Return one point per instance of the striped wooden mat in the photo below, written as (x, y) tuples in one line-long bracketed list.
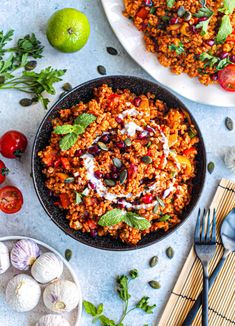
[(189, 284)]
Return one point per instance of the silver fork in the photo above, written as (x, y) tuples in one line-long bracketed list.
[(205, 246)]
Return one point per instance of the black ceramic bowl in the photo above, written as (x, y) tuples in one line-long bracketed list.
[(84, 93)]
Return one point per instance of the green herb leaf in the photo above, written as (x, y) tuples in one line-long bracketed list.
[(224, 31), (161, 203), (229, 6), (143, 304), (106, 321), (78, 199), (85, 119), (68, 141), (202, 2), (100, 308), (4, 39), (134, 273), (112, 217), (64, 129), (179, 49), (122, 289), (213, 61), (89, 308), (164, 218), (170, 3), (204, 12), (204, 26), (136, 221)]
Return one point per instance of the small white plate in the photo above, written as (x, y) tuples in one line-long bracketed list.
[(11, 318), (133, 41)]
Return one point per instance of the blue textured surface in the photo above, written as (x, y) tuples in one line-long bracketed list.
[(97, 269)]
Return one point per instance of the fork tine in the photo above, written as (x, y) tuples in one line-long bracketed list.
[(208, 237), (197, 228), (213, 236), (203, 226)]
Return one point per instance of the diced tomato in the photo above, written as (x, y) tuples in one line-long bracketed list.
[(113, 98), (142, 13), (65, 163), (65, 202), (92, 224), (190, 151), (162, 160)]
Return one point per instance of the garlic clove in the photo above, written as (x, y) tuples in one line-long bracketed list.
[(229, 159), (24, 253), (47, 268), (61, 296), (23, 293), (52, 320), (4, 258)]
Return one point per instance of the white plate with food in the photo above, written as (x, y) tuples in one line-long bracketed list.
[(133, 41), (37, 285)]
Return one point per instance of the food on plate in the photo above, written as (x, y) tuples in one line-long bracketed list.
[(46, 268), (61, 296), (3, 171), (11, 199), (24, 253), (4, 258), (196, 37), (121, 164), (68, 30), (23, 293), (52, 320), (13, 144)]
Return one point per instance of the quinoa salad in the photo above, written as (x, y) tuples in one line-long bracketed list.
[(121, 164), (193, 37)]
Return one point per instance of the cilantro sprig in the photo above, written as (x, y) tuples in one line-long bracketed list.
[(179, 49), (212, 61), (122, 288), (72, 132)]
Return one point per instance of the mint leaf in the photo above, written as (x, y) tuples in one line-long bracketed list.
[(143, 304), (89, 308), (170, 3), (85, 119), (164, 218), (136, 221), (63, 130), (204, 12), (68, 141), (224, 31), (78, 129), (179, 49), (112, 217), (229, 6)]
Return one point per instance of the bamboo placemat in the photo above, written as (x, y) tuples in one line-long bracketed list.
[(189, 283)]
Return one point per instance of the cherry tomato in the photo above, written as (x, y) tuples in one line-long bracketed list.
[(227, 78), (11, 199), (12, 144), (3, 171)]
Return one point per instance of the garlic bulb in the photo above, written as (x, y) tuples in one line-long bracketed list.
[(229, 159), (47, 267), (61, 296), (52, 320), (24, 253), (4, 258), (23, 293)]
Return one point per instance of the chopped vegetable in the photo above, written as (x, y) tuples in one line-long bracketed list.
[(227, 78), (224, 31), (179, 49), (11, 199)]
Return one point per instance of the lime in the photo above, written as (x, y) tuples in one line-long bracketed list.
[(68, 30)]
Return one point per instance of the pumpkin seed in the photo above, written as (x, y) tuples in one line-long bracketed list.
[(68, 254), (170, 252), (67, 87), (149, 144), (30, 65), (85, 192), (155, 284), (111, 50), (187, 16), (2, 79), (123, 176), (161, 203), (229, 123), (69, 180), (127, 142), (110, 182), (146, 159), (117, 163), (102, 146), (153, 261), (211, 167), (155, 209), (25, 102), (78, 199), (101, 70), (181, 11), (192, 133)]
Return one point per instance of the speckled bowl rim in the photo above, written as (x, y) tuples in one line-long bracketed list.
[(165, 234)]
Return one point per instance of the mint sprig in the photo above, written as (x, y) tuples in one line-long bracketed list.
[(225, 30), (212, 61), (116, 216), (228, 7), (72, 132)]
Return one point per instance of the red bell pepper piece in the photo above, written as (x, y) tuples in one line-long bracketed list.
[(65, 162)]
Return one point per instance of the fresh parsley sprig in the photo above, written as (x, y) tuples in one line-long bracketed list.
[(212, 61), (72, 132), (116, 216), (122, 288), (179, 49)]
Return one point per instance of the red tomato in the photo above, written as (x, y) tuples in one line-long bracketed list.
[(65, 202), (11, 199), (3, 171), (65, 163), (142, 13), (190, 151), (227, 78), (12, 144)]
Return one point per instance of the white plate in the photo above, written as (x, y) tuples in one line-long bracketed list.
[(132, 40), (9, 317)]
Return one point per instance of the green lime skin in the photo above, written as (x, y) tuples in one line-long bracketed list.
[(68, 30)]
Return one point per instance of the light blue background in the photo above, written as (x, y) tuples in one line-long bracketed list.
[(97, 269)]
